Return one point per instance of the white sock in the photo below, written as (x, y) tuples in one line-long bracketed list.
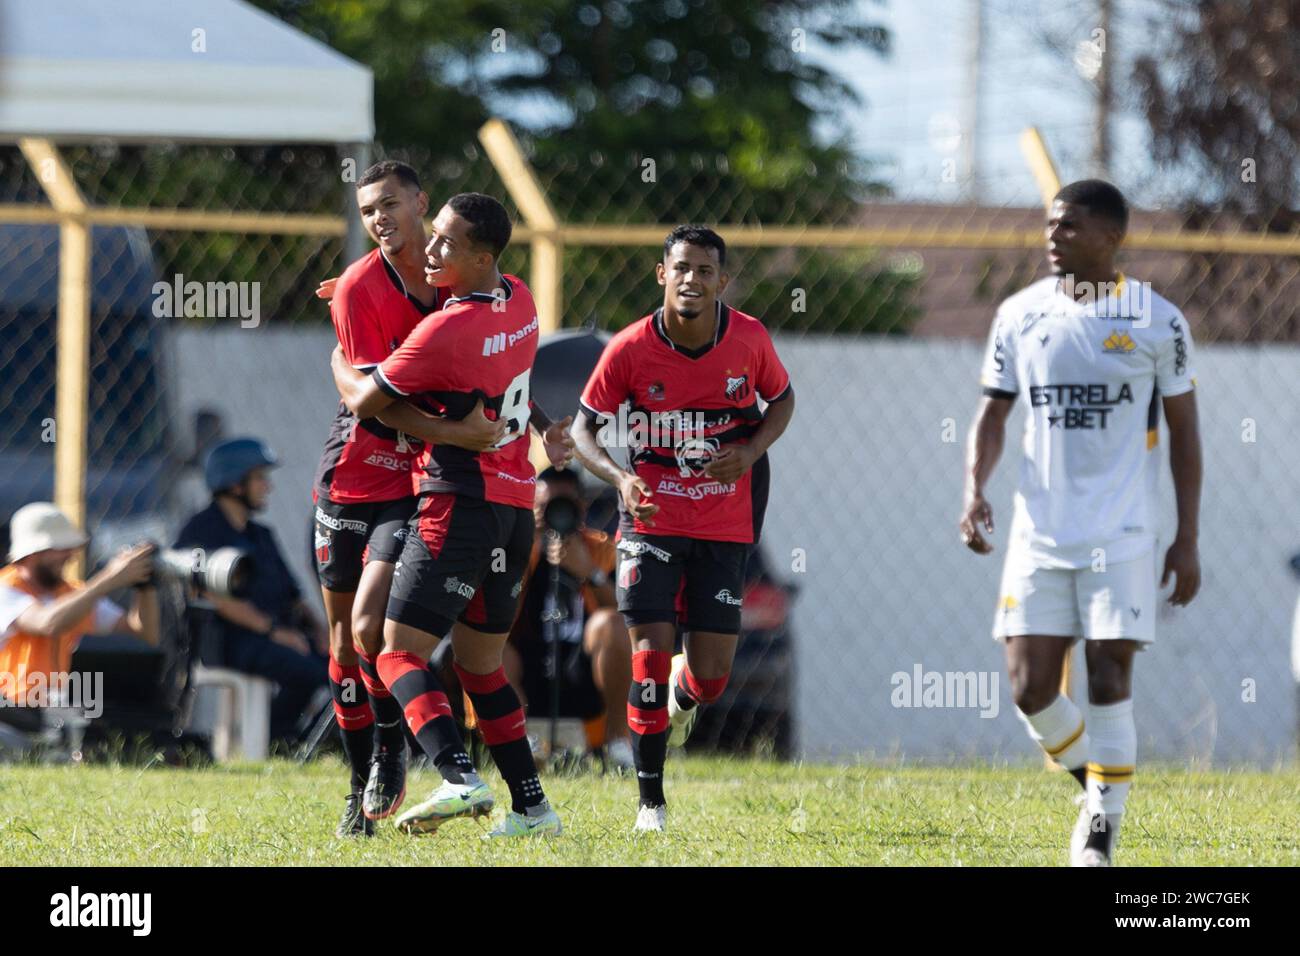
[(1112, 757), (1058, 728)]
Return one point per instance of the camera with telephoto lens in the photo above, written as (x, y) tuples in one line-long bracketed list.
[(561, 516), (225, 572)]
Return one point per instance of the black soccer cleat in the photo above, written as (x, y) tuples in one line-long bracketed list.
[(354, 822), (386, 788)]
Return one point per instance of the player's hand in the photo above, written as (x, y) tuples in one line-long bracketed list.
[(127, 568), (1183, 562), (288, 637), (476, 432), (731, 463), (326, 288), (977, 512), (635, 493), (559, 443)]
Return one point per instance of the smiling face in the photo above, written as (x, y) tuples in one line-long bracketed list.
[(692, 279), (391, 212), (1079, 241), (452, 258)]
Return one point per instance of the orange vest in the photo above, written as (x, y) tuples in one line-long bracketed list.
[(24, 654)]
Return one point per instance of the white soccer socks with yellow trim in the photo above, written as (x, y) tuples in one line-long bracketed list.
[(1112, 757), (1059, 729)]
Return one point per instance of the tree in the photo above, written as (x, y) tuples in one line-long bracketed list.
[(1219, 91)]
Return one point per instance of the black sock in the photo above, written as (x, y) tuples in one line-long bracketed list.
[(502, 726), (427, 712), (647, 718), (389, 730), (354, 718)]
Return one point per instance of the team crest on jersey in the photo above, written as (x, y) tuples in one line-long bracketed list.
[(1119, 342), (322, 543), (694, 455), (656, 392), (737, 387)]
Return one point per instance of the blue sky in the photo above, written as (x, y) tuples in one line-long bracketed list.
[(916, 95)]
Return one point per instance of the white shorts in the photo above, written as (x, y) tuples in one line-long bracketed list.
[(1117, 603)]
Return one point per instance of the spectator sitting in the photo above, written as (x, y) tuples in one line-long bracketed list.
[(595, 652), (270, 632), (43, 615)]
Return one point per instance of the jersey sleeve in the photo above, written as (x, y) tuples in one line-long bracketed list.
[(357, 326), (420, 363), (998, 375), (771, 380), (1174, 374), (608, 386), (107, 614)]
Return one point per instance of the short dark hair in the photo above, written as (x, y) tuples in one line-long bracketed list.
[(390, 167), (489, 223), (1098, 196), (697, 236), (550, 474)]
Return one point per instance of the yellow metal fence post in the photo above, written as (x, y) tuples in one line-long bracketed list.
[(72, 389)]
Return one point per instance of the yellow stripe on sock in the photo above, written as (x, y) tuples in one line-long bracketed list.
[(1055, 752), (1110, 774)]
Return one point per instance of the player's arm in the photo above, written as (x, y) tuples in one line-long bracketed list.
[(142, 619), (359, 391), (734, 460), (555, 436), (589, 450), (983, 449), (475, 432), (1182, 560)]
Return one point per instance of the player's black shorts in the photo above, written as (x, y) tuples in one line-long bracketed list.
[(464, 559), (348, 535), (709, 576)]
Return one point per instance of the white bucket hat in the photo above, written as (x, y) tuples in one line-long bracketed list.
[(40, 526)]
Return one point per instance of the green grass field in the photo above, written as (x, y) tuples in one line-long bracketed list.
[(723, 812)]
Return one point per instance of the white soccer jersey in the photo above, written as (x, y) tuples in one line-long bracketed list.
[(1093, 376)]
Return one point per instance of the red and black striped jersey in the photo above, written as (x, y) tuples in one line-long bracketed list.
[(476, 347), (373, 314), (682, 406)]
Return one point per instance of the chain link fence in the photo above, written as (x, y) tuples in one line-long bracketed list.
[(879, 310)]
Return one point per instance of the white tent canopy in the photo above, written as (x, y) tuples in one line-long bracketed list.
[(132, 69)]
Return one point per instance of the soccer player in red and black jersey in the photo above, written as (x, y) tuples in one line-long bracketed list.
[(363, 492), (694, 374), (463, 561)]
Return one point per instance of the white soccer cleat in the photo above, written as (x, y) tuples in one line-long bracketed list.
[(522, 825), (651, 820), (680, 722), (449, 801), (1088, 856)]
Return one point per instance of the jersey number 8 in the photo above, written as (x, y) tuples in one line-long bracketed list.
[(514, 409)]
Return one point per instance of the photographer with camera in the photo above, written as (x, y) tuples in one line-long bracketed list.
[(569, 593), (43, 615), (269, 632)]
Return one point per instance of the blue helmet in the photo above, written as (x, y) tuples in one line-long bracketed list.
[(230, 462)]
